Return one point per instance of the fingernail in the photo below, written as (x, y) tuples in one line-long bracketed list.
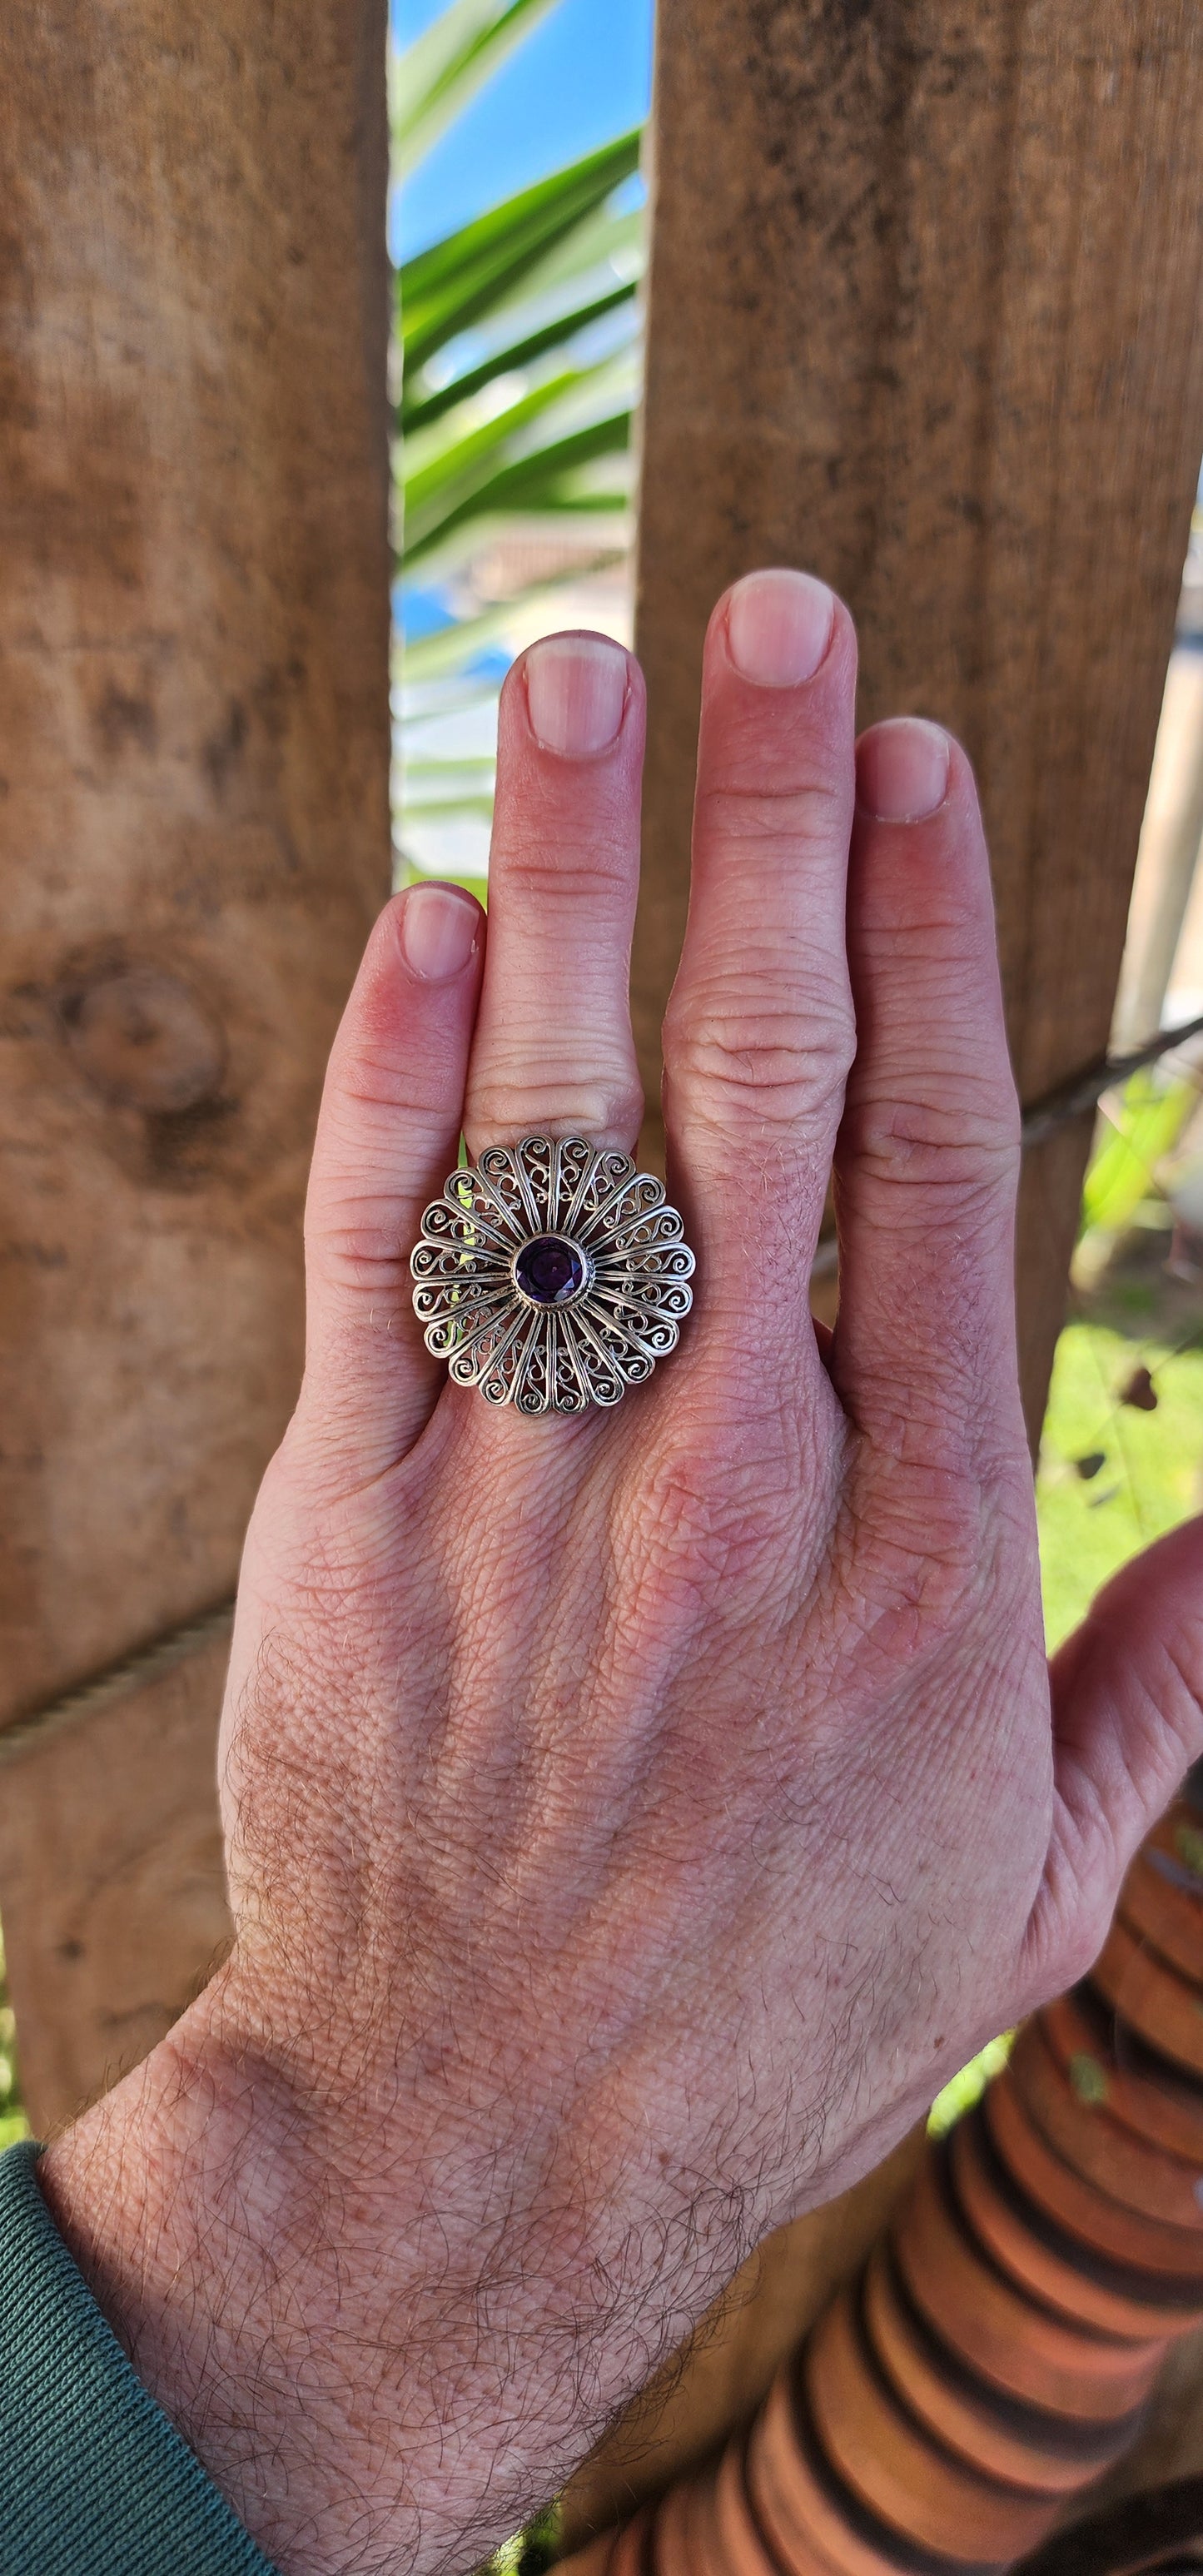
[(779, 627), (902, 769), (576, 690), (438, 931)]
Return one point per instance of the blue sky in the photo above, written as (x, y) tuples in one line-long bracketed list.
[(582, 77)]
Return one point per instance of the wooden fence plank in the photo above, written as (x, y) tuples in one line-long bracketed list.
[(194, 818), (924, 300), (111, 1867)]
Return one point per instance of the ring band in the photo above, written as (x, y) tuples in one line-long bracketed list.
[(552, 1275)]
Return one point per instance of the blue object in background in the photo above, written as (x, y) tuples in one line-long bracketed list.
[(581, 78), (421, 611)]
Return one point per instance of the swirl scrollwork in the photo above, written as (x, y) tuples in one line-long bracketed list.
[(551, 1275)]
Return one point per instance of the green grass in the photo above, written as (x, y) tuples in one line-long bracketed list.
[(1114, 1475), (1147, 1478)]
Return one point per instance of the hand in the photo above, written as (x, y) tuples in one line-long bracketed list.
[(632, 1819)]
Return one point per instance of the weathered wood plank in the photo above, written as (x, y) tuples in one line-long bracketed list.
[(194, 820), (924, 301), (114, 1895)]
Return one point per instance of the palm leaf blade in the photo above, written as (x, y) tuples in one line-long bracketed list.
[(434, 79), (526, 302), (425, 409), (533, 483), (445, 289)]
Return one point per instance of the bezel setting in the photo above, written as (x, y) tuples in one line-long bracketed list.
[(559, 1304), (539, 1355)]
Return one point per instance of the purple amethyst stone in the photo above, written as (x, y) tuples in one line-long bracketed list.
[(550, 1271)]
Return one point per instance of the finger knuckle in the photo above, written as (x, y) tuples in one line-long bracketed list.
[(949, 1140), (554, 1100), (769, 1056), (798, 812), (373, 1087), (573, 877), (353, 1241), (700, 1530)]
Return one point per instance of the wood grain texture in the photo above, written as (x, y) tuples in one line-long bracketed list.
[(924, 299), (194, 828), (114, 1892)]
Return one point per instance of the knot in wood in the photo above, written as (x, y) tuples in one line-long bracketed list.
[(144, 1041)]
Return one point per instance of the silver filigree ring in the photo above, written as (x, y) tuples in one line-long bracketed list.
[(552, 1275)]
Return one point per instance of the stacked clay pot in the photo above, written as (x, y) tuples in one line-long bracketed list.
[(999, 2347)]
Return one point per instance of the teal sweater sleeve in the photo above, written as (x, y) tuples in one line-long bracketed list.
[(94, 2480)]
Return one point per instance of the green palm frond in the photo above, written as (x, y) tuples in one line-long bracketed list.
[(517, 341), (432, 81), (418, 410), (548, 483), (475, 271), (1150, 1119), (504, 401), (527, 456)]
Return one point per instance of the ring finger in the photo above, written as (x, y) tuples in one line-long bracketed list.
[(553, 1053)]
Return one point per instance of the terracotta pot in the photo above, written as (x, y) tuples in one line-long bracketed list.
[(1164, 2007), (1107, 2062), (726, 2537), (727, 2521), (1053, 2266), (1103, 2223), (1162, 1896), (883, 2454), (703, 2555), (1085, 2136), (624, 2551), (805, 2525), (993, 2327), (999, 2348), (672, 2547), (996, 2434)]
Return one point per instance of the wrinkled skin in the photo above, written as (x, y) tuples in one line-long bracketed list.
[(633, 1820)]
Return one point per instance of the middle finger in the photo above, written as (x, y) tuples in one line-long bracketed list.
[(759, 1031)]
